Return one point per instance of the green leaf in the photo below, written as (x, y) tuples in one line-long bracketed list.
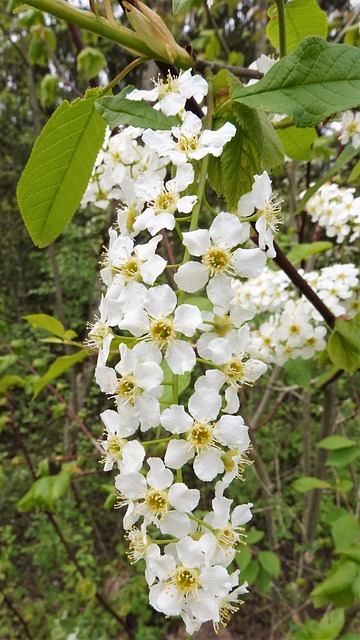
[(330, 625), (90, 61), (6, 382), (243, 557), (202, 302), (298, 23), (337, 587), (345, 531), (343, 485), (86, 589), (58, 367), (344, 344), (342, 457), (38, 53), (183, 382), (59, 168), (118, 110), (303, 251), (310, 84), (345, 156), (307, 483), (48, 88), (254, 536), (297, 143), (241, 157), (355, 172), (352, 552), (7, 361), (272, 152), (270, 562), (45, 493), (249, 574), (300, 371), (263, 581), (47, 323), (336, 442), (181, 6), (30, 18)]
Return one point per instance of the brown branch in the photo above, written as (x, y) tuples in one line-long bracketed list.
[(239, 72), (301, 284)]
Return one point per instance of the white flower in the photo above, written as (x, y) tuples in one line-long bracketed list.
[(100, 335), (204, 437), (235, 368), (128, 455), (163, 199), (157, 499), (121, 153), (230, 604), (138, 387), (130, 208), (217, 258), (125, 262), (188, 141), (261, 198), (227, 527), (122, 300), (350, 125), (186, 582), (173, 93), (159, 327)]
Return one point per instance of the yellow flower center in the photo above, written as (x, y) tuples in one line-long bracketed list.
[(200, 435), (115, 446), (157, 502), (234, 371), (166, 202), (187, 145), (97, 335), (131, 215), (217, 260), (272, 212), (187, 580), (170, 86), (131, 270), (162, 331), (128, 390)]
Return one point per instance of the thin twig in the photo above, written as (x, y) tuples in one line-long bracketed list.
[(16, 613), (239, 72), (215, 26)]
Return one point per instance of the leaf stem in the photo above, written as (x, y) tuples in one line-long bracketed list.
[(122, 74), (282, 26), (199, 521)]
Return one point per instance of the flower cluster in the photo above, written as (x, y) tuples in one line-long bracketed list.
[(293, 328), (172, 370), (337, 210)]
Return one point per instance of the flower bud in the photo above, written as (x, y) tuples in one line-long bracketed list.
[(154, 32)]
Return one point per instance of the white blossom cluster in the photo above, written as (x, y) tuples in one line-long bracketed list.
[(293, 328), (151, 339), (336, 209)]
